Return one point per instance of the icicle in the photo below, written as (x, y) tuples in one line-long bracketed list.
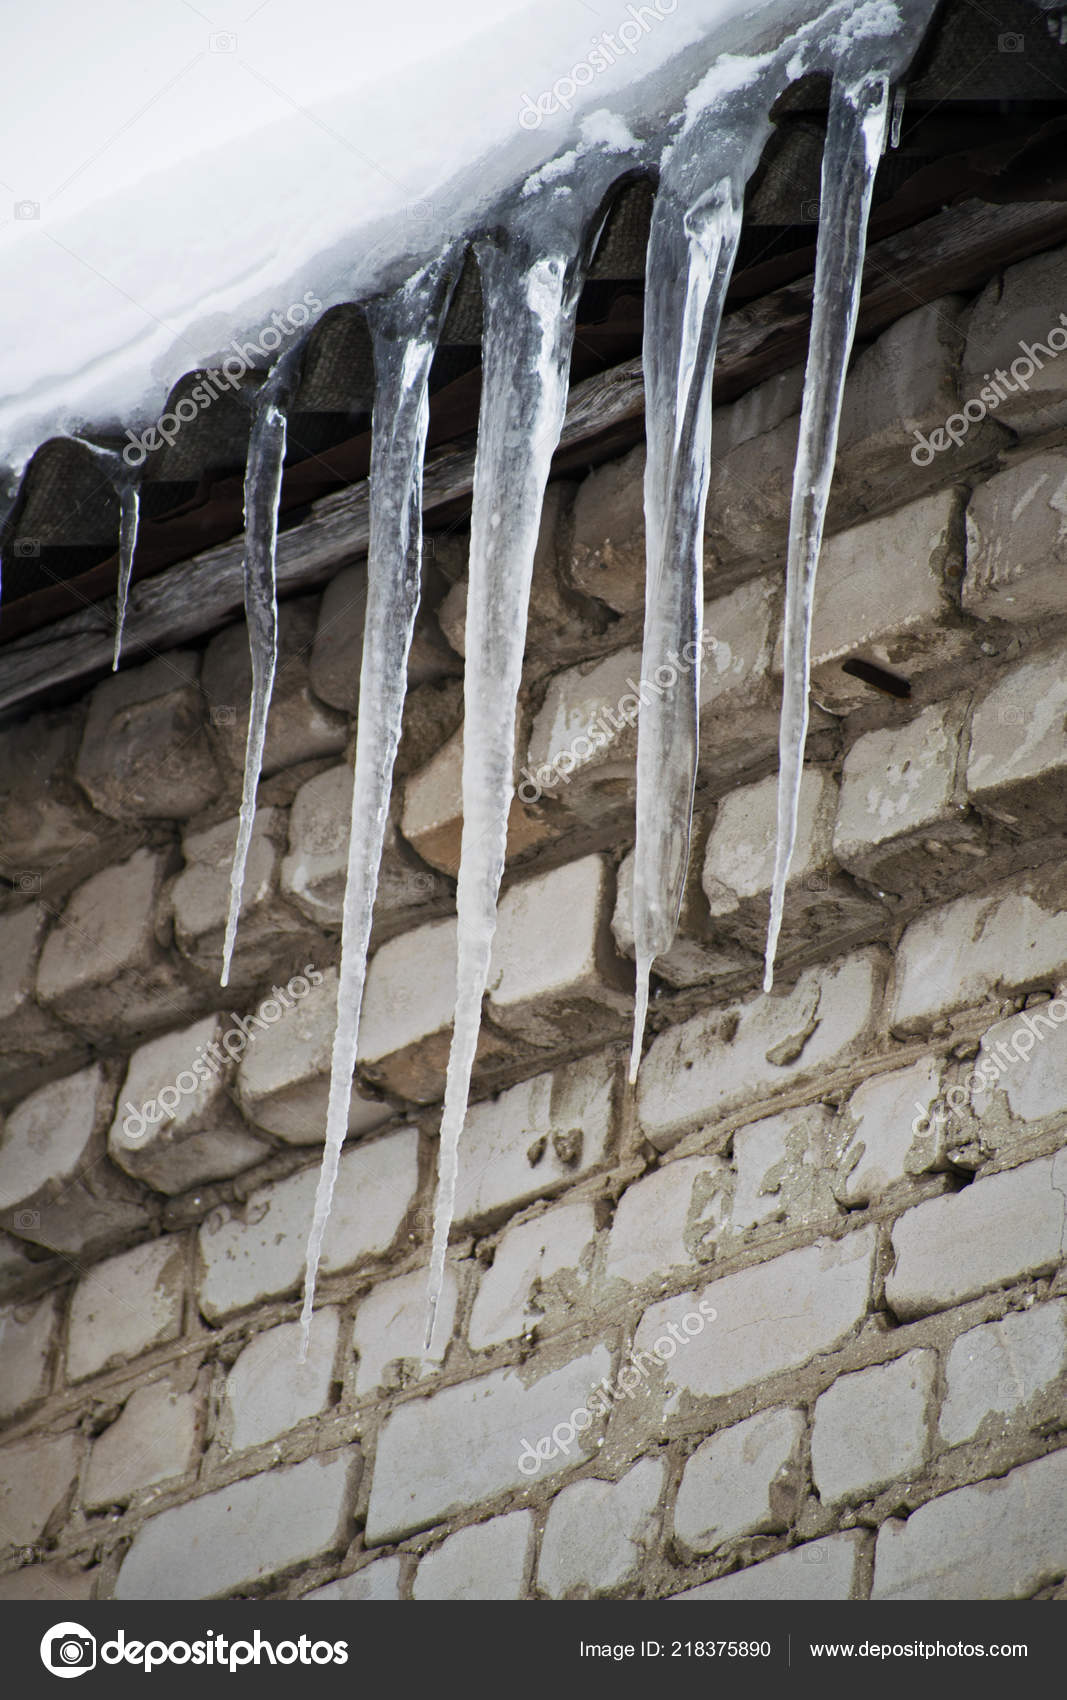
[(127, 488), (700, 248), (898, 116), (405, 330), (129, 494), (263, 483), (854, 138), (531, 280)]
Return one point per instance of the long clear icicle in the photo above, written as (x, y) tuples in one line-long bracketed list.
[(681, 331), (854, 140), (405, 330), (129, 494), (530, 288), (263, 483)]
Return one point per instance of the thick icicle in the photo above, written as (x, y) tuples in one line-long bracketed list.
[(854, 140), (680, 338), (692, 245), (531, 280), (405, 330), (129, 494), (263, 483)]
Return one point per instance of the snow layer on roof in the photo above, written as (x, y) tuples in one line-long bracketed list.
[(176, 175)]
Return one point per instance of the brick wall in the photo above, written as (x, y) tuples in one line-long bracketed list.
[(788, 1322)]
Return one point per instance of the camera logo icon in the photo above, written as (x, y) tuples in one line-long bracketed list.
[(68, 1649)]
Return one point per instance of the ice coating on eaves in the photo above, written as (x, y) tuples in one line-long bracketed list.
[(532, 259)]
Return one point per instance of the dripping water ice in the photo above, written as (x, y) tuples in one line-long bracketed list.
[(532, 268), (404, 331), (531, 275), (263, 483), (854, 139)]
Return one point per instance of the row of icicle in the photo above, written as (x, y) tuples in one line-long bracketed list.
[(532, 269)]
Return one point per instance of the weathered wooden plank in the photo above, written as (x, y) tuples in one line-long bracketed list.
[(957, 250)]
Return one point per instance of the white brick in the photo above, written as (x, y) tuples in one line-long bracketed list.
[(176, 1125), (390, 1327), (739, 862), (32, 1037), (259, 1253), (27, 1336), (536, 1138), (607, 557), (554, 974), (145, 751), (480, 1427), (200, 899), (995, 1231), (152, 1441), (52, 838), (243, 1533), (299, 727), (1018, 760), (377, 1581), (540, 1274), (488, 1561), (102, 968), (584, 733), (882, 595), (769, 1318), (782, 1165), (872, 1428), (739, 868), (1017, 542), (696, 955), (693, 1074), (334, 665), (961, 954), (901, 823), (884, 1138), (744, 1481), (668, 1221), (269, 1389), (597, 1533), (432, 818), (408, 1004), (55, 1190), (819, 1570), (36, 1479), (1025, 1057), (126, 1306), (1021, 305), (315, 872), (283, 1082), (998, 1368), (998, 1540)]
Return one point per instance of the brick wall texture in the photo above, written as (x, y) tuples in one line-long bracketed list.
[(789, 1320)]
